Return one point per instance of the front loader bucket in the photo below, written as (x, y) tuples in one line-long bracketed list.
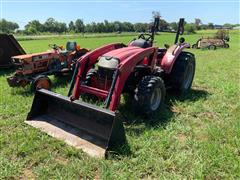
[(8, 47), (79, 124)]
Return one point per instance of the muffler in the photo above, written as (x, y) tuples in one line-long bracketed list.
[(82, 125)]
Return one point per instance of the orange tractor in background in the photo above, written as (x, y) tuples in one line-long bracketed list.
[(34, 69)]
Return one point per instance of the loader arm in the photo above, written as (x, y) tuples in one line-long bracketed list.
[(86, 62)]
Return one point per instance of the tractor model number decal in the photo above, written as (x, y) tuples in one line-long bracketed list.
[(36, 58)]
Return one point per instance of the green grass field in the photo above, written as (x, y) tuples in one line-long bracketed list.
[(193, 137)]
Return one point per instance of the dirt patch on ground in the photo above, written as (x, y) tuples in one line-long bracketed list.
[(203, 137), (182, 138), (97, 176), (209, 115), (28, 174), (61, 160)]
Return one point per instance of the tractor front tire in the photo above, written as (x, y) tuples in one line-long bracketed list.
[(90, 81), (91, 74), (41, 82), (149, 95), (183, 71)]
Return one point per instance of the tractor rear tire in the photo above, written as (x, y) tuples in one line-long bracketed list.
[(149, 95), (183, 71), (89, 76), (41, 82)]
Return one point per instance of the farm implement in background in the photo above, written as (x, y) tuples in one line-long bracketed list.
[(212, 43), (139, 68)]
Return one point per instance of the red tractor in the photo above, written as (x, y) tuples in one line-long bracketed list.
[(107, 72)]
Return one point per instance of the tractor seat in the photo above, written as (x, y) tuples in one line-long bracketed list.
[(161, 52), (142, 43), (71, 46)]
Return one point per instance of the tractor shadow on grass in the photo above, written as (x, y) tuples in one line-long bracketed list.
[(165, 114), (6, 72), (162, 117), (61, 81), (136, 125)]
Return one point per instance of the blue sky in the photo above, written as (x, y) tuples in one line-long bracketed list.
[(216, 11)]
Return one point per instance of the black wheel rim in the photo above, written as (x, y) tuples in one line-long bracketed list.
[(188, 77), (156, 99)]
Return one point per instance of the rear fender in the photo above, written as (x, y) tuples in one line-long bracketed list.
[(171, 55)]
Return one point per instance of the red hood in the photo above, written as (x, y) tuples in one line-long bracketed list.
[(123, 53)]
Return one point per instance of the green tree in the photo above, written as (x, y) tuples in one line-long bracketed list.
[(141, 27), (117, 26), (61, 27), (34, 27), (79, 25), (163, 24), (71, 26), (204, 26), (127, 27), (8, 26), (53, 26), (190, 28), (228, 25), (88, 28), (50, 25), (198, 23), (173, 26), (210, 26), (107, 26)]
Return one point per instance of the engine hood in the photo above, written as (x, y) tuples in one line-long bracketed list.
[(108, 62), (123, 53)]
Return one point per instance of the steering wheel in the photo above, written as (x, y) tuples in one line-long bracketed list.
[(146, 37), (54, 46)]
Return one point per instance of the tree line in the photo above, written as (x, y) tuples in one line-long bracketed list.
[(53, 26)]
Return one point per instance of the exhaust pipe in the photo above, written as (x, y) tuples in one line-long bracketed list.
[(82, 125)]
